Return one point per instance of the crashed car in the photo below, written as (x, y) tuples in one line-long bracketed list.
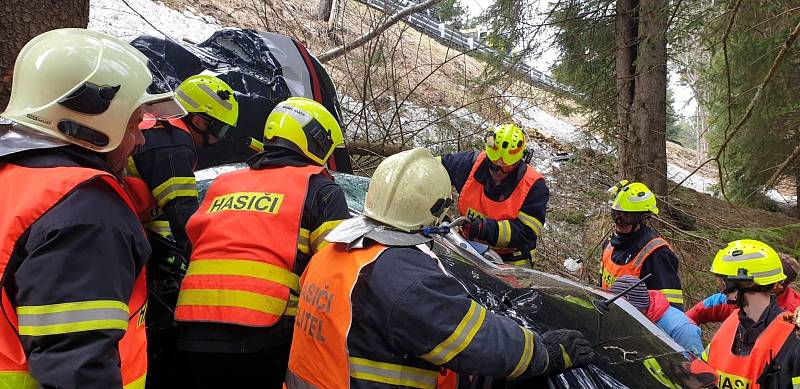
[(633, 352), (263, 68)]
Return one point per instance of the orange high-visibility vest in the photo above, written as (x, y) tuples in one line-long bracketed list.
[(742, 371), (244, 238), (473, 202), (319, 358), (612, 271), (44, 188)]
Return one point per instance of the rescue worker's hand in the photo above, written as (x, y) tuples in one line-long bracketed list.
[(473, 229), (567, 349)]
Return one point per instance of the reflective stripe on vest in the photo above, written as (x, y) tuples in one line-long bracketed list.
[(244, 239), (45, 187), (742, 371), (612, 270), (473, 202), (319, 357)]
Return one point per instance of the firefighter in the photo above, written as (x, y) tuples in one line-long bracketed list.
[(161, 173), (757, 346), (504, 194), (387, 315), (252, 237), (73, 251), (717, 307), (635, 248)]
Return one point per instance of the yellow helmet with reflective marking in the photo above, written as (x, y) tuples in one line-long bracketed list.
[(633, 197), (505, 145), (748, 260), (307, 126), (208, 95)]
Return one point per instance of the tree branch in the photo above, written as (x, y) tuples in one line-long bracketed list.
[(776, 176), (358, 42)]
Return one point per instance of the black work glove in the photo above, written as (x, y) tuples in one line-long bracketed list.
[(567, 349), (473, 229)]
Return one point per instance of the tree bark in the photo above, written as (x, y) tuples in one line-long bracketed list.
[(22, 20), (625, 37), (649, 109), (324, 9)]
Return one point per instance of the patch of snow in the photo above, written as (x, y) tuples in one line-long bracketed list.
[(529, 115), (113, 17), (780, 198), (697, 182)]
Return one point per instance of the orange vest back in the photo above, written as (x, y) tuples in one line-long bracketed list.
[(43, 188), (319, 354), (319, 357), (612, 271), (742, 371), (244, 239), (473, 202)]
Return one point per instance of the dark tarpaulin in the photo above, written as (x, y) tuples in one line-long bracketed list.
[(263, 68)]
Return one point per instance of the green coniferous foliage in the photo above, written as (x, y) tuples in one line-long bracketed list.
[(585, 36), (773, 131)]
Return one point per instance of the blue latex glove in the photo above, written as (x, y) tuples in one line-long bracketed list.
[(714, 300)]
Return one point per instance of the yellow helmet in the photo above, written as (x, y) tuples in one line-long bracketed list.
[(307, 126), (206, 94), (505, 145), (748, 260), (633, 197), (82, 87)]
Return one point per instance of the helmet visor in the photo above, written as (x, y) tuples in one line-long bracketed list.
[(164, 109)]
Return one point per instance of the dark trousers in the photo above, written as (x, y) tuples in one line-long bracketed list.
[(263, 369)]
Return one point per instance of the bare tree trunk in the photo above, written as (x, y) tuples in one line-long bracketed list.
[(649, 112), (22, 20), (324, 9), (625, 29)]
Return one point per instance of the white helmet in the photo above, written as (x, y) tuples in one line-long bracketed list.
[(82, 87), (409, 191)]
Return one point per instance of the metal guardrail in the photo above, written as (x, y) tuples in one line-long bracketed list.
[(456, 39)]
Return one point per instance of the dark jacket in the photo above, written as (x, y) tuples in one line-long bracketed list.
[(404, 306), (90, 246), (325, 206), (523, 237), (662, 263), (166, 163)]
